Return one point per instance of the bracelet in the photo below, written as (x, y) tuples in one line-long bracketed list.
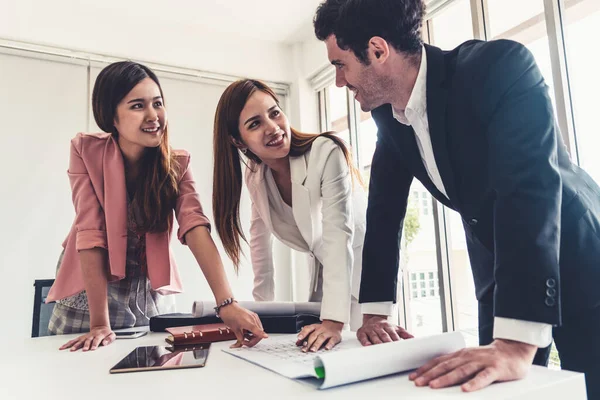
[(225, 302)]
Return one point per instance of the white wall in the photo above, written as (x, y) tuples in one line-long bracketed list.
[(43, 105), (98, 31), (45, 102), (314, 56)]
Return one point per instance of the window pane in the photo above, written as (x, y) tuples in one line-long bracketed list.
[(367, 131), (338, 111), (524, 22), (419, 261), (453, 25), (505, 15), (466, 309), (418, 251), (582, 24)]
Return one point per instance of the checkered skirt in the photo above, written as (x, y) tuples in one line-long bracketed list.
[(131, 300)]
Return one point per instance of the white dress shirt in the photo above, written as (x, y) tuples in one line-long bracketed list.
[(415, 115)]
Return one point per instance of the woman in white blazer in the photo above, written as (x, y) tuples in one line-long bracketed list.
[(304, 190)]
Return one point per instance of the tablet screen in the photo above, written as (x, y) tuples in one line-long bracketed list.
[(150, 358)]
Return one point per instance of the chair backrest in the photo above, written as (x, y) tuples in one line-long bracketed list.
[(41, 310)]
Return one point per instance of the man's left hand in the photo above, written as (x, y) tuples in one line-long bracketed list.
[(477, 367)]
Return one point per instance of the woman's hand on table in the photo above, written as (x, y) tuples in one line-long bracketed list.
[(97, 336), (324, 335)]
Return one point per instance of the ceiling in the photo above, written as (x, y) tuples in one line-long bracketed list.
[(282, 21)]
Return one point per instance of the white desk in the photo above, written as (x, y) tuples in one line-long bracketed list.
[(35, 369)]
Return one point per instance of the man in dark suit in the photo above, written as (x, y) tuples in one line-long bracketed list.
[(476, 126)]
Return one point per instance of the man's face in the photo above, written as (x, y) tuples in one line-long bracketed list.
[(361, 79)]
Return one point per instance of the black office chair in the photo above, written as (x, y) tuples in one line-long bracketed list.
[(41, 310)]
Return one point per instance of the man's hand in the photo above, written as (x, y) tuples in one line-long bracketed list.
[(327, 334), (376, 329), (503, 360)]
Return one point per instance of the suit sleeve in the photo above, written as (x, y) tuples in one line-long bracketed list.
[(524, 176), (188, 209), (388, 197), (89, 215), (338, 233), (261, 255)]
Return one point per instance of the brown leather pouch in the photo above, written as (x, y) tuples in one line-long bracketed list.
[(197, 334)]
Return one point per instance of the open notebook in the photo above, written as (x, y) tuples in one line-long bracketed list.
[(348, 362)]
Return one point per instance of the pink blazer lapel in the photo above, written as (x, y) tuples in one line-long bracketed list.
[(159, 258), (115, 208)]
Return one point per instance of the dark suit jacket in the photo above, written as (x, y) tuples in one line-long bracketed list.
[(531, 216)]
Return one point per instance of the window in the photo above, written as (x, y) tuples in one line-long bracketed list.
[(524, 22), (367, 139), (446, 33), (424, 288), (336, 111), (418, 261), (452, 26), (582, 23), (466, 316)]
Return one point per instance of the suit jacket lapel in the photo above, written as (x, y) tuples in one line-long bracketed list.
[(301, 198), (437, 97)]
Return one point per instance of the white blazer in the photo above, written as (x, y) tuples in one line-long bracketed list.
[(330, 213)]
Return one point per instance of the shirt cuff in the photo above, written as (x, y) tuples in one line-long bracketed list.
[(535, 333), (381, 308)]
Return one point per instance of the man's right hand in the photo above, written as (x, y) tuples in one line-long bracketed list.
[(376, 329)]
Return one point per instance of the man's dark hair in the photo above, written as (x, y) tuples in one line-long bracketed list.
[(355, 22)]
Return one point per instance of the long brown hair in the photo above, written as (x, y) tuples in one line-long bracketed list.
[(157, 186), (227, 174)]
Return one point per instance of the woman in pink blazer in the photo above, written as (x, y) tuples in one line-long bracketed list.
[(125, 183)]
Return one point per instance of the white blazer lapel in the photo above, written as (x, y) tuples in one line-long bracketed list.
[(258, 192), (301, 205)]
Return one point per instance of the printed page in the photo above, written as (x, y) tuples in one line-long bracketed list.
[(281, 355), (348, 362), (206, 308), (368, 362)]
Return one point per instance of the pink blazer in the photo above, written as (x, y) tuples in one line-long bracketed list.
[(97, 176)]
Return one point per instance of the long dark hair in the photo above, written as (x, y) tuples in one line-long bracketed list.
[(157, 187), (227, 174)]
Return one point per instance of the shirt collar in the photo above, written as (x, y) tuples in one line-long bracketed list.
[(417, 102)]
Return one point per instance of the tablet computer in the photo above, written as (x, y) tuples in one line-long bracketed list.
[(153, 358)]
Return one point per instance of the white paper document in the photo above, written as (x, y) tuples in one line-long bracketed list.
[(348, 362), (206, 308)]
